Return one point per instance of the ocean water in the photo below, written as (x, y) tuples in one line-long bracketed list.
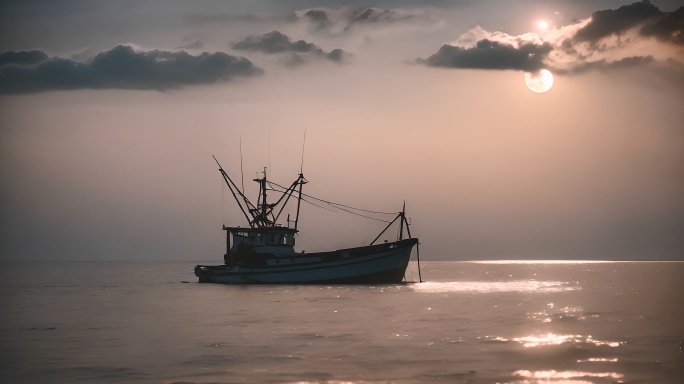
[(500, 322)]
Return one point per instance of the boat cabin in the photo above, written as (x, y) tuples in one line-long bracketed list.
[(273, 240)]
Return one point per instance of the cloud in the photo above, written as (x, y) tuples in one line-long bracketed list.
[(634, 36), (338, 55), (338, 21), (124, 68), (614, 22), (491, 55), (194, 45), (669, 28), (604, 65), (317, 17), (22, 57), (294, 60), (275, 42), (217, 18)]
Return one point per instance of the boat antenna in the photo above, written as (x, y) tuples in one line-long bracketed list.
[(269, 147), (242, 174), (301, 182), (301, 168)]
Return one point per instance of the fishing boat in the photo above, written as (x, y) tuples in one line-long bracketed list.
[(264, 251)]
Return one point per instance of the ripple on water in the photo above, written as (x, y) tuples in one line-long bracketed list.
[(553, 339), (98, 373), (525, 286), (559, 377)]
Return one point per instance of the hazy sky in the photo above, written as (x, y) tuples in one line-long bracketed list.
[(110, 113)]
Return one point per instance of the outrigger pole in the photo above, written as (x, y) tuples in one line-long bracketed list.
[(230, 184)]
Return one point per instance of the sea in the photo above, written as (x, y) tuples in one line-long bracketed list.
[(468, 322)]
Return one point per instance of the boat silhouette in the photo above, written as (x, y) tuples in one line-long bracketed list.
[(264, 252)]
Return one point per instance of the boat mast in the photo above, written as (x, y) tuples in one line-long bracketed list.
[(388, 225), (262, 215), (403, 220), (301, 181), (263, 195), (262, 212)]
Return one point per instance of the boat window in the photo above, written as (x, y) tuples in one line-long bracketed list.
[(283, 240), (256, 236), (271, 237)]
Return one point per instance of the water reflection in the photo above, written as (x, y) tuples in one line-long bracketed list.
[(554, 376), (553, 339), (597, 359), (560, 314), (525, 286), (542, 261), (327, 381)]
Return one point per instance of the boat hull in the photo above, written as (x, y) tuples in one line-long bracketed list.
[(377, 264)]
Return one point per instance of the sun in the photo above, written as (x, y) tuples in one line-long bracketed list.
[(543, 25), (539, 82)]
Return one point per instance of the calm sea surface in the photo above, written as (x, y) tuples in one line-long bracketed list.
[(138, 322)]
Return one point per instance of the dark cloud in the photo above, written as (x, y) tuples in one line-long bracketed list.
[(219, 18), (345, 19), (374, 15), (22, 57), (123, 68), (317, 17), (338, 55), (565, 51), (294, 60), (614, 22), (194, 45), (276, 42), (605, 65), (670, 28), (489, 54)]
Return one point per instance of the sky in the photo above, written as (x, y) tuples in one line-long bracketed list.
[(110, 113)]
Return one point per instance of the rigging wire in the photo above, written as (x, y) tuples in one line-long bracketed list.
[(320, 206), (337, 205), (357, 214)]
